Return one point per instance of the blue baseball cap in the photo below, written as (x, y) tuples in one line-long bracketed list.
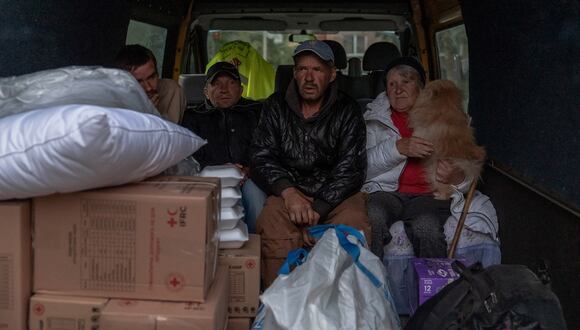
[(319, 48)]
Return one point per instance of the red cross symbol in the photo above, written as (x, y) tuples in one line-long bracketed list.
[(39, 309), (250, 264), (172, 222), (174, 282)]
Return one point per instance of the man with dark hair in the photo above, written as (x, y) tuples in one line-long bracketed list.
[(227, 121), (309, 155), (165, 94)]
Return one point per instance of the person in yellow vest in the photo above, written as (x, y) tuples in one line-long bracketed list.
[(257, 74)]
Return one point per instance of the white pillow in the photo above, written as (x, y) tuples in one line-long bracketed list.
[(112, 88), (77, 147)]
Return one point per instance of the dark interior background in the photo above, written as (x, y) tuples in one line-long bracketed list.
[(525, 89), (39, 35), (525, 102)]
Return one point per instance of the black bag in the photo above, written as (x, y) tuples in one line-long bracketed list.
[(498, 297)]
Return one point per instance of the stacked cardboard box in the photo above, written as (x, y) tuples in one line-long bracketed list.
[(15, 264), (244, 271), (157, 315), (65, 312), (239, 323), (153, 242), (150, 240)]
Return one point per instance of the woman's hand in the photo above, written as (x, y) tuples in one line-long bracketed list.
[(414, 147)]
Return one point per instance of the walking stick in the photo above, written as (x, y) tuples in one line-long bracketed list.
[(461, 221)]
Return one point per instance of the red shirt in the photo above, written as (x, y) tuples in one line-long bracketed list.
[(412, 179)]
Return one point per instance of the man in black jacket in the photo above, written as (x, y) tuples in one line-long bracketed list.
[(227, 121), (309, 155)]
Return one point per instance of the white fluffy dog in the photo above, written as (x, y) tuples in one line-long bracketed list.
[(438, 117)]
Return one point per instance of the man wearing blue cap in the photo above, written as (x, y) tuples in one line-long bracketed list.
[(309, 155)]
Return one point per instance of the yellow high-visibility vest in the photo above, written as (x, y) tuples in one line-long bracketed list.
[(257, 74)]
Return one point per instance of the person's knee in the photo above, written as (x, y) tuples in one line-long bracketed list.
[(426, 225)]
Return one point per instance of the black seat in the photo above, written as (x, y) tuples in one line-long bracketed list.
[(339, 62), (192, 85), (375, 60), (284, 75), (339, 54), (354, 67)]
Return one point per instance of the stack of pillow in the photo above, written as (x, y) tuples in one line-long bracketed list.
[(53, 141), (233, 231)]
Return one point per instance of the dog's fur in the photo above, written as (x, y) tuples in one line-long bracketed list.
[(438, 117)]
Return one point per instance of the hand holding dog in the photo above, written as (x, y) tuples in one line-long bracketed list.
[(414, 147)]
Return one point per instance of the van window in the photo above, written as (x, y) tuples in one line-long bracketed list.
[(150, 36), (276, 49), (454, 58)]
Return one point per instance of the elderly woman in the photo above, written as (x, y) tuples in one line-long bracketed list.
[(395, 183)]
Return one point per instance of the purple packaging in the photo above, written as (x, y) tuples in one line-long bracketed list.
[(432, 275)]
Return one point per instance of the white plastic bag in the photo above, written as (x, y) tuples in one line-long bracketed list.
[(340, 285)]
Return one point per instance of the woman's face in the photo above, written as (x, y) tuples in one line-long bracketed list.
[(402, 90)]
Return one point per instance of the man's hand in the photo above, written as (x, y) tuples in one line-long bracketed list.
[(245, 171), (154, 97), (447, 173), (414, 147), (299, 207)]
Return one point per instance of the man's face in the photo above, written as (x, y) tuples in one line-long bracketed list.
[(224, 91), (148, 78), (313, 76)]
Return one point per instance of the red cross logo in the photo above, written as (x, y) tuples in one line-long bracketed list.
[(174, 282), (250, 264), (172, 222), (38, 309)]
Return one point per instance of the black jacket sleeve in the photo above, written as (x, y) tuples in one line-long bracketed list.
[(350, 170), (266, 170)]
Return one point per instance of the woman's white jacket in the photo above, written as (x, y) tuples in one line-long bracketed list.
[(385, 163)]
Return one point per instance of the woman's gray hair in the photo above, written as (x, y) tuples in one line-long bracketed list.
[(408, 72)]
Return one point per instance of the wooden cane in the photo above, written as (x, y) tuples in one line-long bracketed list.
[(461, 221)]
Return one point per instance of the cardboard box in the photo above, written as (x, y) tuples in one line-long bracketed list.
[(239, 323), (149, 240), (244, 271), (432, 275), (158, 315), (52, 312), (15, 264)]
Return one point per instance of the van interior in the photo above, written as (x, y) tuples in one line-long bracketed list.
[(516, 63)]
